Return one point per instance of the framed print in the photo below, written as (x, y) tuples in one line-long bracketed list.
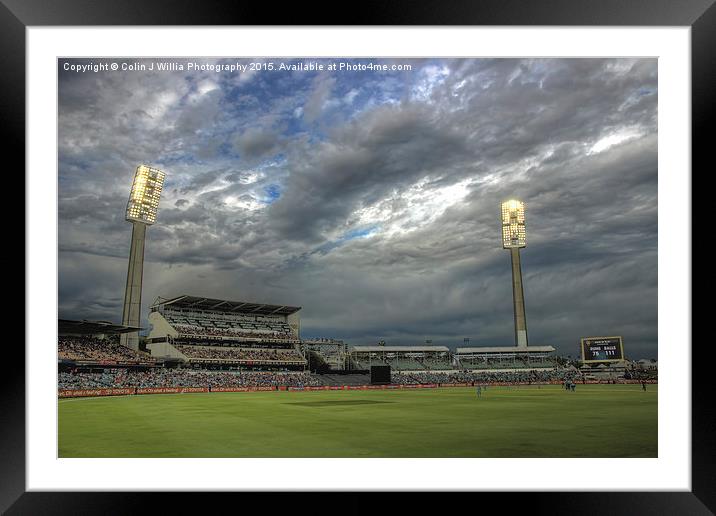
[(275, 257)]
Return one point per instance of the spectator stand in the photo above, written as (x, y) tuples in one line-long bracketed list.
[(215, 332), (402, 358), (96, 343), (506, 357), (485, 377)]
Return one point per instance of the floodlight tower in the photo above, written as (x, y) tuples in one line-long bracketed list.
[(513, 238), (141, 212)]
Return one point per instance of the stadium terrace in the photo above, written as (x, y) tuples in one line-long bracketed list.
[(206, 344)]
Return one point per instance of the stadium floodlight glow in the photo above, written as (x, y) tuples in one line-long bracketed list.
[(141, 212), (513, 224), (145, 194), (514, 237)]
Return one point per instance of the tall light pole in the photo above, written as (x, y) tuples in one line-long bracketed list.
[(513, 238), (141, 212)]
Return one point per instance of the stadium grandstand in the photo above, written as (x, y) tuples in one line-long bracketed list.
[(506, 358), (211, 344), (205, 332), (402, 358), (96, 343)]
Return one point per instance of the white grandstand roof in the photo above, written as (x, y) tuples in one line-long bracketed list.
[(221, 305), (506, 349), (399, 349)]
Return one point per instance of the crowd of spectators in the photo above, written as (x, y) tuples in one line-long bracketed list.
[(418, 362), (236, 353), (166, 377), (428, 377), (438, 363), (404, 362), (233, 332), (92, 348), (637, 374), (507, 363), (161, 377)]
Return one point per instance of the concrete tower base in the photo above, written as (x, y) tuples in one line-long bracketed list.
[(518, 299), (132, 309)]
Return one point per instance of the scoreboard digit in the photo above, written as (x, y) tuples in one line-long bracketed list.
[(602, 349)]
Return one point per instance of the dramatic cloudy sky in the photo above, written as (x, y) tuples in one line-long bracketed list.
[(371, 199)]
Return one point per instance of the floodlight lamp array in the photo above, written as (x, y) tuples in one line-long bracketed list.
[(513, 224), (144, 196)]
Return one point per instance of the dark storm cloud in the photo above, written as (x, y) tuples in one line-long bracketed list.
[(373, 200), (255, 143), (386, 149)]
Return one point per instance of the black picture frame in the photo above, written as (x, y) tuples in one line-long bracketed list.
[(700, 15)]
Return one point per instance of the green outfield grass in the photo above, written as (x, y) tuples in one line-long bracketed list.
[(594, 421)]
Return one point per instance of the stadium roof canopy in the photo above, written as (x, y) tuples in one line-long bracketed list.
[(399, 349), (68, 327), (505, 349), (222, 305)]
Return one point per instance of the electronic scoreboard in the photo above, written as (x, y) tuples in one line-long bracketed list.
[(602, 349)]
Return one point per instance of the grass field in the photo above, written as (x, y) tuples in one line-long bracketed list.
[(594, 421)]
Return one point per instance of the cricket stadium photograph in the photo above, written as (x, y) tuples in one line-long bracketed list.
[(357, 258)]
